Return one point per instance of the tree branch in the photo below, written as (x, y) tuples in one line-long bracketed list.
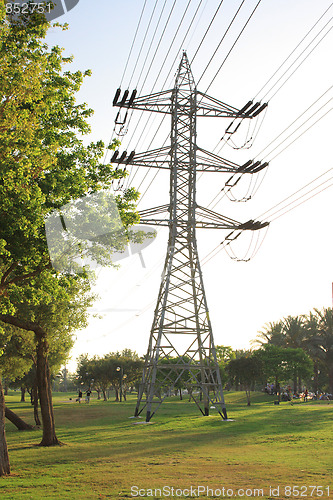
[(24, 324)]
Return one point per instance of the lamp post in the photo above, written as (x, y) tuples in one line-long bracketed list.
[(120, 369)]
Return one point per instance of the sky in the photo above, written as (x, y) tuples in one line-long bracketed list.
[(291, 269)]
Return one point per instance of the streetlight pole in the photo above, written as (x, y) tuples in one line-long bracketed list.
[(120, 369)]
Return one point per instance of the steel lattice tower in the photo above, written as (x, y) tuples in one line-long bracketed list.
[(181, 343)]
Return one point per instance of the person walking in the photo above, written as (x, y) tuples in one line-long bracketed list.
[(88, 394)]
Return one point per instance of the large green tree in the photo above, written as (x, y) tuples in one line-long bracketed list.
[(281, 364), (246, 371), (44, 164)]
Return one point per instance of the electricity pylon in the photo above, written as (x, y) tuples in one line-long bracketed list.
[(181, 343)]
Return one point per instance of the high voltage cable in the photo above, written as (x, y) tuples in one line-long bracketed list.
[(143, 41), (225, 243), (184, 38), (238, 37), (224, 193), (292, 63), (234, 42), (168, 51), (299, 128), (136, 32), (138, 57), (165, 26), (291, 124), (173, 40), (219, 44), (210, 24), (296, 192), (293, 51), (301, 203), (300, 64)]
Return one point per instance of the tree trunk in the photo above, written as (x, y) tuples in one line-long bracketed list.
[(104, 395), (34, 392), (45, 394), (277, 389), (330, 379), (4, 459), (180, 394), (5, 388), (117, 394), (43, 376), (299, 385), (22, 394), (17, 421), (315, 378)]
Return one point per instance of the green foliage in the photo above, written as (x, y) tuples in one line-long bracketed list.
[(44, 163), (103, 372), (282, 364), (245, 371), (313, 333)]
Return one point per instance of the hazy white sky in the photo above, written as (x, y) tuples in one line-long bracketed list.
[(292, 271)]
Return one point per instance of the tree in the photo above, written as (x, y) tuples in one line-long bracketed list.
[(294, 335), (325, 330), (102, 372), (271, 333), (246, 371), (4, 459), (282, 364), (224, 354), (43, 165)]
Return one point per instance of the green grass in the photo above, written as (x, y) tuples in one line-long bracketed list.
[(104, 454)]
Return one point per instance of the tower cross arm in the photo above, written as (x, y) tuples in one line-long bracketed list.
[(214, 220), (159, 102), (205, 161), (209, 106)]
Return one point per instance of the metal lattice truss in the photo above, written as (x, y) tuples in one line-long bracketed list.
[(181, 345)]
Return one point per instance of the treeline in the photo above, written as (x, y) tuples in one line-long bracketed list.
[(118, 371), (297, 350)]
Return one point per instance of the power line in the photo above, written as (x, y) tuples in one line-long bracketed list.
[(224, 192), (219, 44), (143, 41), (238, 37), (294, 50), (210, 24), (134, 39), (300, 116), (296, 192), (300, 64)]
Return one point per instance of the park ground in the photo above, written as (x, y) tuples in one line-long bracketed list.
[(269, 451)]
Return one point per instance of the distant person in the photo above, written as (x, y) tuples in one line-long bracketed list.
[(306, 395), (79, 397), (88, 394)]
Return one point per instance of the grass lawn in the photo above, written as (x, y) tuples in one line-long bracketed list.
[(105, 454)]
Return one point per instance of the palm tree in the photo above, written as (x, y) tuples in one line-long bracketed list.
[(270, 334), (325, 331), (294, 334), (312, 346)]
